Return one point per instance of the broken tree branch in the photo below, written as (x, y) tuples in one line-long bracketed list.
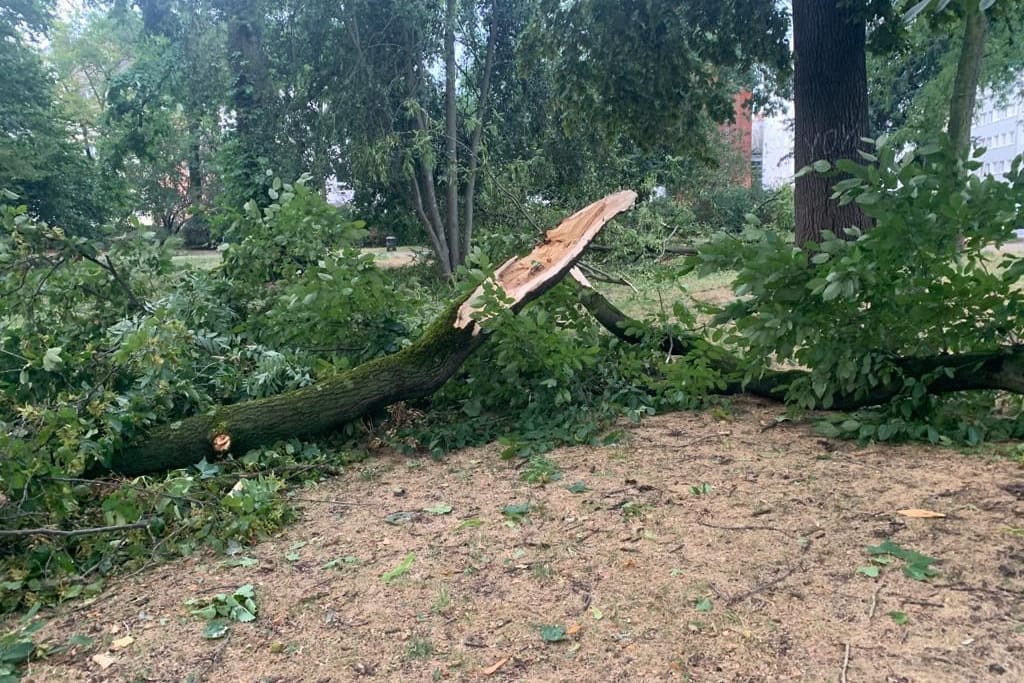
[(414, 372)]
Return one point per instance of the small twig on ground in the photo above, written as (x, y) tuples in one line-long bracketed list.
[(874, 602), (328, 502), (709, 437), (71, 533), (751, 527), (760, 587), (846, 664)]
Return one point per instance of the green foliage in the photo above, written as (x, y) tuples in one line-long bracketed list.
[(400, 570), (17, 646), (846, 308), (99, 340), (238, 606), (916, 566), (547, 376), (658, 71), (910, 78)]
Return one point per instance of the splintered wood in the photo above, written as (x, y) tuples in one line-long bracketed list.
[(525, 278)]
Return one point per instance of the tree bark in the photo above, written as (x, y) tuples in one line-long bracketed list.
[(483, 100), (250, 93), (968, 73), (830, 96), (414, 372), (451, 123)]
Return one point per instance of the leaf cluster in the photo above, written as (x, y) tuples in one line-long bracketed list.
[(926, 280)]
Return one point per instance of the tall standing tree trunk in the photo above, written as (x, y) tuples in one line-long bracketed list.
[(451, 153), (250, 95), (195, 167), (830, 94), (968, 73), (483, 100)]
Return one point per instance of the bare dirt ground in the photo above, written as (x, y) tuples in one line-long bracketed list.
[(713, 546)]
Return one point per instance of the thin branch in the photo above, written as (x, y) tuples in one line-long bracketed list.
[(604, 276), (72, 533)]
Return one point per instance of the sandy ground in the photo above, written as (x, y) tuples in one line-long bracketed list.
[(713, 546)]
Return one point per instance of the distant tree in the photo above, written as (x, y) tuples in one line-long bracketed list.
[(43, 158), (658, 72), (910, 83)]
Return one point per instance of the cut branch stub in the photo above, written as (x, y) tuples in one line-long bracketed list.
[(525, 278)]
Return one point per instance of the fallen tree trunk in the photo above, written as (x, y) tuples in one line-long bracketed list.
[(995, 370), (414, 372)]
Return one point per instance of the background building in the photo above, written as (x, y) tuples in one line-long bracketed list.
[(998, 127)]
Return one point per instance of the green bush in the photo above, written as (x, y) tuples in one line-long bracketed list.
[(846, 308)]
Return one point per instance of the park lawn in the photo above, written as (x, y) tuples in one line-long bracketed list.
[(723, 545), (206, 259)]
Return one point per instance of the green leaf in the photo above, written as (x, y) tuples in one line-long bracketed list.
[(205, 613), (577, 487), (516, 510), (552, 633), (401, 570), (439, 509), (900, 618), (832, 290), (244, 613), (471, 523), (869, 571), (919, 572), (703, 605), (244, 562), (17, 652), (218, 628), (52, 360), (821, 166), (820, 257), (292, 556)]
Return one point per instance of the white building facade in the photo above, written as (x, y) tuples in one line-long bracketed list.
[(999, 128)]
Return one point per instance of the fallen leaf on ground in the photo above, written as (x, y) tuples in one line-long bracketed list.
[(494, 667), (573, 629), (121, 643), (920, 514), (103, 661)]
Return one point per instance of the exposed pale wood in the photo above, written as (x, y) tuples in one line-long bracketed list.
[(526, 278)]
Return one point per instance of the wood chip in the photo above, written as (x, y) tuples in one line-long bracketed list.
[(494, 667), (121, 643), (574, 628), (103, 661), (920, 514)]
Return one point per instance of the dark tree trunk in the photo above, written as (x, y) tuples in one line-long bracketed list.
[(250, 94), (830, 95)]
